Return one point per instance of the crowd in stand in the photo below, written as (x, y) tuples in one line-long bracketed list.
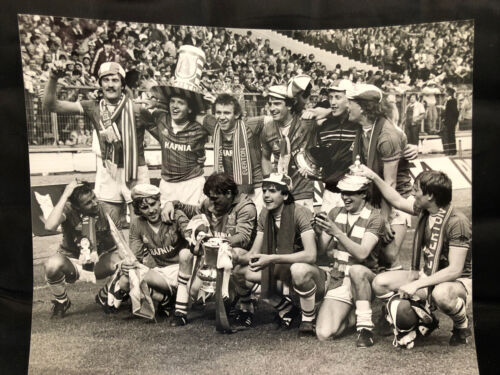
[(410, 57), (422, 51)]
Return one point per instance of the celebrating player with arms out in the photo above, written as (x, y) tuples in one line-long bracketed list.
[(86, 240), (350, 237), (166, 244), (120, 125), (443, 234), (284, 236)]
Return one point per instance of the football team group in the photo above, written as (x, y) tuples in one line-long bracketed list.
[(319, 262)]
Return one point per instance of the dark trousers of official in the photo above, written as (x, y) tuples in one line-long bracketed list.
[(412, 133), (448, 139)]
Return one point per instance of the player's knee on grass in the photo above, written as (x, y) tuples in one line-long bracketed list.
[(301, 274), (324, 333), (445, 296)]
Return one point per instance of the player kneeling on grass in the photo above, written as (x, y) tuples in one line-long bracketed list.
[(168, 247), (86, 244), (231, 216), (284, 236), (350, 236), (443, 234)]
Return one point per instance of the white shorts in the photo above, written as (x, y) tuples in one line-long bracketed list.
[(116, 190), (169, 274), (190, 191), (308, 203), (465, 281), (257, 199), (342, 293), (331, 200)]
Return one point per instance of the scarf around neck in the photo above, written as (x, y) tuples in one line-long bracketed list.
[(123, 124), (242, 162)]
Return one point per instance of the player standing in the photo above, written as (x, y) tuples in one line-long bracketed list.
[(120, 126), (283, 138)]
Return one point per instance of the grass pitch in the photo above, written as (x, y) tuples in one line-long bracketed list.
[(87, 341)]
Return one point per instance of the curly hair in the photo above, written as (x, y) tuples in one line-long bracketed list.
[(84, 189)]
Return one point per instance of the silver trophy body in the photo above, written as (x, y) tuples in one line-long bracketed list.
[(208, 270)]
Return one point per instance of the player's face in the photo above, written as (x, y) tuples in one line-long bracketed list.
[(224, 113), (353, 200), (338, 103), (355, 111), (150, 210), (111, 87), (88, 204), (179, 109), (421, 199), (221, 202), (278, 109), (273, 198)]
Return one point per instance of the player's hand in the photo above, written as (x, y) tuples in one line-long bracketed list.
[(316, 113), (363, 170), (408, 290), (68, 190), (127, 265), (153, 104), (259, 261), (324, 223), (389, 233), (167, 213), (410, 152), (58, 69), (209, 97)]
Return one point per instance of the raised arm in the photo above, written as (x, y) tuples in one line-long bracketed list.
[(49, 100), (388, 192), (57, 216)]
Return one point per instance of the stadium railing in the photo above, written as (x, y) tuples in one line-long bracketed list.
[(47, 129)]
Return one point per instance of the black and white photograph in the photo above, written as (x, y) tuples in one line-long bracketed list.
[(169, 164)]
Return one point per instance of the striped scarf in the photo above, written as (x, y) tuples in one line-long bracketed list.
[(436, 240), (126, 135), (342, 259), (242, 162)]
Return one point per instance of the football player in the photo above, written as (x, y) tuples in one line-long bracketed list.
[(350, 235), (443, 234), (80, 214), (166, 244)]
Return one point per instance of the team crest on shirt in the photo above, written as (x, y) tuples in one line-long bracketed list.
[(145, 239)]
